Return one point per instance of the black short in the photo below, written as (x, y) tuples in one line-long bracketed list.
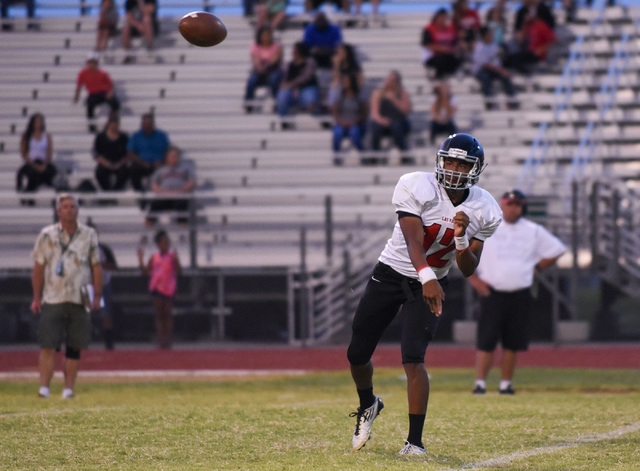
[(387, 291), (505, 317)]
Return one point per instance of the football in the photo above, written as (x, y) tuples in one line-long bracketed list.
[(202, 29)]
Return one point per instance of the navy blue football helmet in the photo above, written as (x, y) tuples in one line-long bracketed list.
[(464, 147)]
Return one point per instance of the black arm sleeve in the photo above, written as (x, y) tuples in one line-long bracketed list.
[(404, 214)]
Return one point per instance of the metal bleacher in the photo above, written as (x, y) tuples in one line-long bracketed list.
[(260, 184)]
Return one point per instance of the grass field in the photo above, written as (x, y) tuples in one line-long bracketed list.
[(558, 420)]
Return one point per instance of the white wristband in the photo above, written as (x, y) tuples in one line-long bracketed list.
[(462, 242), (426, 274)]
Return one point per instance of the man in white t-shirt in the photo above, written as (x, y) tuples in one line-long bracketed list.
[(503, 279), (442, 217)]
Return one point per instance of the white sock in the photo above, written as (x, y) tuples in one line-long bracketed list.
[(44, 391), (505, 383), (481, 383), (67, 392)]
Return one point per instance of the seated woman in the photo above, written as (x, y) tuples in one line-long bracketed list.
[(140, 20), (390, 108), (349, 111), (175, 177), (36, 149), (345, 63), (266, 57), (107, 24), (110, 152), (271, 13), (300, 85), (443, 110)]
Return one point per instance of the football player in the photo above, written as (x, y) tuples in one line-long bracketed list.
[(442, 217)]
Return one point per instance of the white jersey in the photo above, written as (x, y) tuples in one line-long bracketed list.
[(420, 194)]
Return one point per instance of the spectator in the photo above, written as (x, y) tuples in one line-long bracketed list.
[(31, 10), (146, 150), (532, 8), (487, 68), (110, 152), (441, 52), (323, 38), (163, 268), (108, 264), (496, 21), (271, 13), (107, 24), (536, 38), (349, 111), (346, 63), (390, 108), (175, 177), (99, 87), (140, 20), (466, 21), (300, 85), (374, 7), (65, 262), (518, 249), (36, 149), (248, 7), (344, 5), (443, 110), (266, 57)]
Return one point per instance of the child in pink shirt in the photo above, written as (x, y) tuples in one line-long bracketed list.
[(163, 268)]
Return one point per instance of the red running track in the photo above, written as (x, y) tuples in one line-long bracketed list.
[(329, 358)]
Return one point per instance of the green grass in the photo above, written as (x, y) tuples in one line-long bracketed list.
[(302, 422)]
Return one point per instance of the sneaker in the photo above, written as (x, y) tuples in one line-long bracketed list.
[(410, 449), (364, 419), (44, 392), (479, 389), (67, 394), (508, 390)]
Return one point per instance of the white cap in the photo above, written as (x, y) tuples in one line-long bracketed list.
[(93, 56)]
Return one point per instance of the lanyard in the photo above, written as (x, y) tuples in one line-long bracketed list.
[(64, 247)]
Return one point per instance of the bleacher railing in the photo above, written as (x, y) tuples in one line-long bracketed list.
[(592, 135), (546, 139), (328, 298), (615, 234)]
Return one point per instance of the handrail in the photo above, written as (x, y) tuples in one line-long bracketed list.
[(605, 101), (562, 95), (615, 234), (333, 293)]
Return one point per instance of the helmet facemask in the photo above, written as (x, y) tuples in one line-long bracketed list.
[(455, 180)]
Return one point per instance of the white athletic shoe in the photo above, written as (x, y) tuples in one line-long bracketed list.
[(67, 393), (410, 449), (364, 419), (44, 392)]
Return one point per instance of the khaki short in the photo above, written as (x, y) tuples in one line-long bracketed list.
[(66, 322)]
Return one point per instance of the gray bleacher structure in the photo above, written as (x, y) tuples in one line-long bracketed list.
[(273, 198)]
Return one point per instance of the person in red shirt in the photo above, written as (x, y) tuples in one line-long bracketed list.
[(441, 51), (99, 87), (537, 38), (466, 22)]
